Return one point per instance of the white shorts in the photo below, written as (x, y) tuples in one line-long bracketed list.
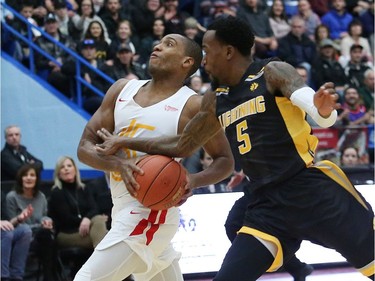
[(147, 232)]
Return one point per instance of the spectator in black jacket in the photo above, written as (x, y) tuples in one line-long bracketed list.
[(14, 155), (44, 65), (296, 48), (123, 66), (326, 68)]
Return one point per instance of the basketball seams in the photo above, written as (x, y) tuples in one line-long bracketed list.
[(153, 181), (176, 184)]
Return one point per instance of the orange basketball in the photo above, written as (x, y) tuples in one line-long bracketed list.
[(160, 185)]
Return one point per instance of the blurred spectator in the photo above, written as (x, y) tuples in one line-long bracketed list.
[(63, 17), (124, 34), (367, 89), (82, 19), (112, 14), (22, 51), (296, 47), (321, 32), (123, 66), (195, 82), (73, 208), (352, 111), (174, 19), (356, 68), (148, 42), (357, 7), (349, 157), (367, 19), (326, 68), (14, 155), (321, 7), (265, 41), (15, 242), (74, 211), (312, 20), (193, 30), (355, 37), (25, 193), (143, 19), (43, 64), (95, 31), (302, 71), (337, 19), (64, 80), (278, 19), (102, 195)]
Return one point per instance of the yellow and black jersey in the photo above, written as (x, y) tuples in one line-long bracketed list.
[(269, 136)]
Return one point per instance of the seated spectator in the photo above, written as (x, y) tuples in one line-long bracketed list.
[(312, 20), (82, 19), (278, 19), (25, 193), (356, 68), (95, 31), (63, 17), (296, 48), (326, 68), (349, 157), (112, 14), (265, 42), (124, 34), (352, 112), (14, 155), (123, 66), (337, 19), (367, 19), (22, 51), (367, 90), (321, 7), (195, 83), (43, 64), (64, 80), (355, 37), (73, 209), (193, 30), (15, 242), (102, 195), (321, 32), (173, 17), (148, 42), (143, 18)]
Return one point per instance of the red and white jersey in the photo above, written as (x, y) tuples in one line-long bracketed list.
[(135, 121)]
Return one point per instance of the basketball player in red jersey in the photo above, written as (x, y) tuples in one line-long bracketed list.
[(262, 107), (139, 240)]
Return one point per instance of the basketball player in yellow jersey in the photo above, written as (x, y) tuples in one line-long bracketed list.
[(139, 240)]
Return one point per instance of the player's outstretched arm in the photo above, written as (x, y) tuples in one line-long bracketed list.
[(282, 78), (201, 128), (104, 118)]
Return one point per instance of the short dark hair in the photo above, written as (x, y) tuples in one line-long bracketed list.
[(233, 31), (192, 49)]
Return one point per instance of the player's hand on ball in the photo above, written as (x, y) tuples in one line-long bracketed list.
[(128, 169), (187, 189), (110, 143)]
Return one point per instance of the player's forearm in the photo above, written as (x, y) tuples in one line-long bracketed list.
[(88, 155)]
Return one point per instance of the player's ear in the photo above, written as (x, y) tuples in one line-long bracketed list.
[(188, 62), (230, 51)]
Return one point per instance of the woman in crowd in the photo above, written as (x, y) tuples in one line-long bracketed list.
[(123, 35), (15, 242), (82, 19), (321, 32), (26, 193), (278, 19), (95, 31), (73, 208)]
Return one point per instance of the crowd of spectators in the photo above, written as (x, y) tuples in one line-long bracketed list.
[(332, 40)]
